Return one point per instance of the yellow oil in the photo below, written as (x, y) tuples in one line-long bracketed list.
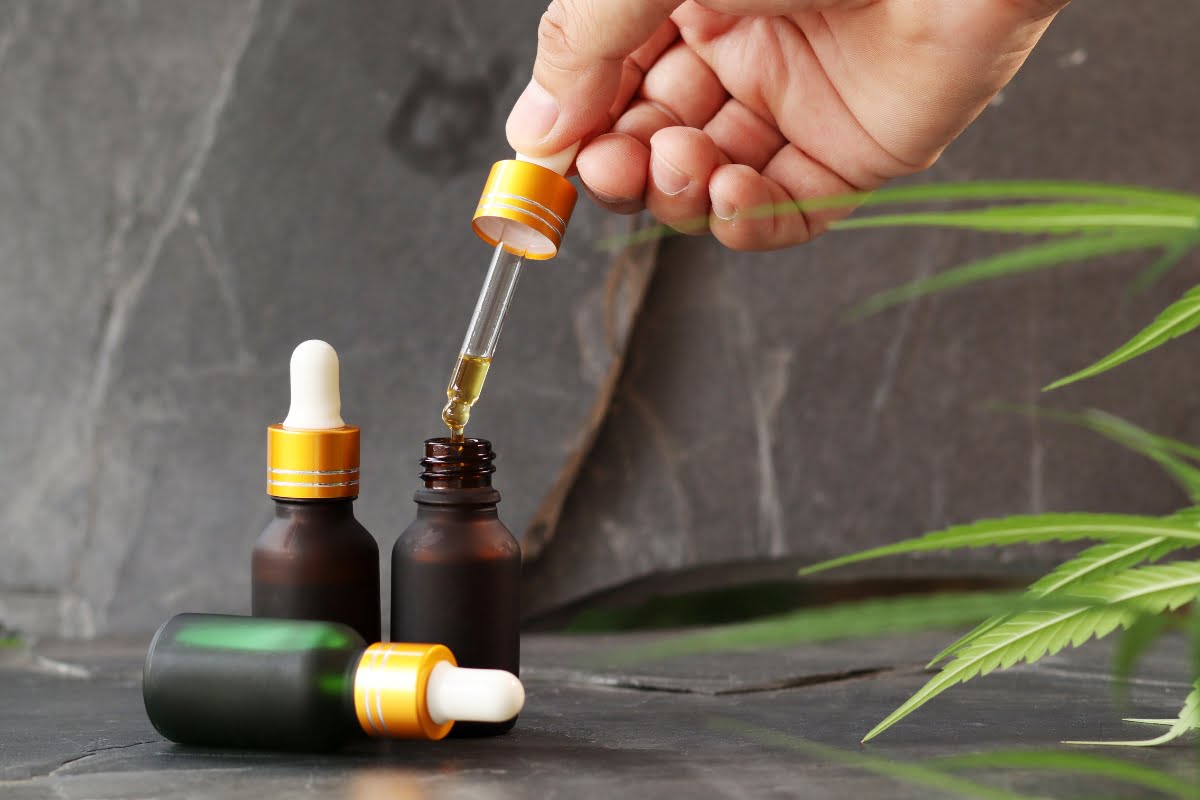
[(465, 385)]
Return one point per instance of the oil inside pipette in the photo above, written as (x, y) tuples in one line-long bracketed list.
[(464, 388)]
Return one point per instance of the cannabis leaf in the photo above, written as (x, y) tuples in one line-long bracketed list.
[(1175, 457), (1030, 528), (1177, 319), (1135, 198), (891, 615), (1188, 720), (1025, 259), (1100, 219), (1106, 604), (1036, 218), (1093, 563), (1170, 257), (1162, 450), (1107, 558)]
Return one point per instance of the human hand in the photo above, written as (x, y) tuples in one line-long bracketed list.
[(733, 110)]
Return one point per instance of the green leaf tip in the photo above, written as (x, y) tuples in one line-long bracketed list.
[(1188, 720), (1170, 454), (1028, 529), (1025, 259), (1176, 319)]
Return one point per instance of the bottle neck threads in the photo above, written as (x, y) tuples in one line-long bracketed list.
[(457, 474), (458, 465)]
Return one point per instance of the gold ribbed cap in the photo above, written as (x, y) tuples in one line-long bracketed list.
[(536, 198), (389, 690), (305, 465)]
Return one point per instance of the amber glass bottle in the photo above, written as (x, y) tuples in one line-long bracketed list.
[(456, 570), (314, 560)]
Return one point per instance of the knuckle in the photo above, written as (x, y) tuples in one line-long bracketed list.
[(559, 35)]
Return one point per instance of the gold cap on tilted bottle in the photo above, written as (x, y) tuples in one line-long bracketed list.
[(313, 453), (417, 691)]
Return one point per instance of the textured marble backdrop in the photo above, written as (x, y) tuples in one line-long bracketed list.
[(189, 189), (752, 424)]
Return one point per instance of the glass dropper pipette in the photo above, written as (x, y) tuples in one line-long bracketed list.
[(523, 213), (466, 382)]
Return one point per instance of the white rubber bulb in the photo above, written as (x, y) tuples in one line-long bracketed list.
[(316, 394), (560, 162), (472, 695)]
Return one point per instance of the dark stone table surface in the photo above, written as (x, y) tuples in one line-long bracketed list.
[(725, 725)]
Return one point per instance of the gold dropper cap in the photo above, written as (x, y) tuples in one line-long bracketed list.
[(309, 465), (313, 454), (539, 199)]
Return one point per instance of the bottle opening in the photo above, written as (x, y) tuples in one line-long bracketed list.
[(458, 465)]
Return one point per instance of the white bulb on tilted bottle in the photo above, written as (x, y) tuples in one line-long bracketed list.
[(316, 393), (475, 695)]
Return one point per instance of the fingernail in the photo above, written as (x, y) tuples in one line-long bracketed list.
[(533, 115), (667, 178), (723, 208), (605, 197)]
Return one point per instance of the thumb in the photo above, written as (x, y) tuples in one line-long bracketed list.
[(582, 45)]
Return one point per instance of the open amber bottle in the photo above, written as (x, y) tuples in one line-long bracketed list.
[(456, 570)]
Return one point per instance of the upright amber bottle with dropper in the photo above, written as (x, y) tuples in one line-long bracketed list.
[(314, 560)]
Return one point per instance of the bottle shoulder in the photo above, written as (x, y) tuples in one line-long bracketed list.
[(303, 533), (457, 536)]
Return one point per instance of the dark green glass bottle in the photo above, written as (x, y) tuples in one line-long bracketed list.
[(228, 681)]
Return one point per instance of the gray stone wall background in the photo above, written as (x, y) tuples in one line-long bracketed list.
[(755, 430), (187, 190)]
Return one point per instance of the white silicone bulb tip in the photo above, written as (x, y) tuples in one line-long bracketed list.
[(472, 695), (316, 395), (560, 162)]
